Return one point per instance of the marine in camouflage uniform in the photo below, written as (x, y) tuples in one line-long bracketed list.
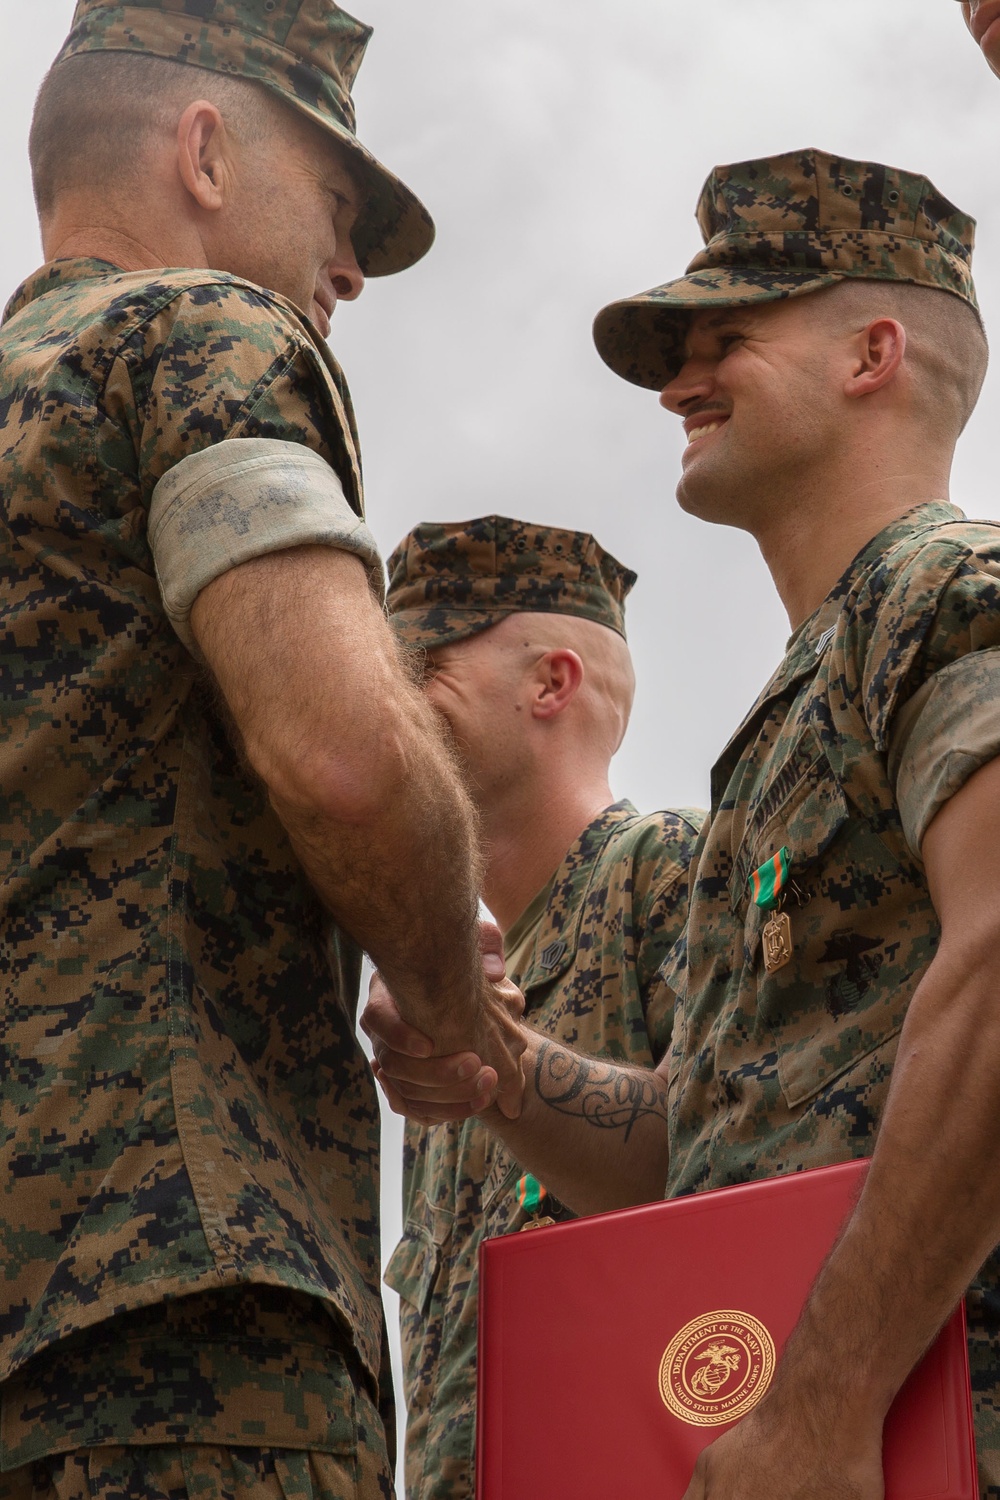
[(883, 707), (584, 952), (190, 1129), (834, 991)]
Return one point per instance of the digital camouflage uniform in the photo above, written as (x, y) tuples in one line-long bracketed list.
[(189, 1201), (585, 952), (585, 959), (885, 703)]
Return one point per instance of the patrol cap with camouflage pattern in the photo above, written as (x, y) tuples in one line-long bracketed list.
[(784, 226), (450, 580), (306, 51)]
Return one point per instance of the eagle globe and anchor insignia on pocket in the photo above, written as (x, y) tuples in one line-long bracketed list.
[(716, 1368)]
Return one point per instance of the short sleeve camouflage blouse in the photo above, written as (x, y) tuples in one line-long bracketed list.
[(184, 1104)]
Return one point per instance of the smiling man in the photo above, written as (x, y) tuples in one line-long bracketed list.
[(217, 784), (836, 993)]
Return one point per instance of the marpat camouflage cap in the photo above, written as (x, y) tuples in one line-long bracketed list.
[(450, 580), (308, 52), (784, 226)]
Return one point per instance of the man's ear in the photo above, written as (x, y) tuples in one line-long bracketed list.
[(878, 357), (558, 679), (202, 154)]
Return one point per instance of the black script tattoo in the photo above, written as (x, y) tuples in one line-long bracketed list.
[(607, 1095)]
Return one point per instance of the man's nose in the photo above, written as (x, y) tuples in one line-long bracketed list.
[(346, 276), (693, 382)]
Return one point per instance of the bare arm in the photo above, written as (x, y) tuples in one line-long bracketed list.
[(360, 777), (594, 1131), (929, 1214)]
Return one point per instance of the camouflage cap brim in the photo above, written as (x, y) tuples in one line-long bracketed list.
[(641, 338), (437, 625), (393, 230), (429, 628)]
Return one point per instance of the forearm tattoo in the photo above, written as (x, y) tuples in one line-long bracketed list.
[(607, 1095)]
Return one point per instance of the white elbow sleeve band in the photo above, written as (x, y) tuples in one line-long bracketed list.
[(241, 499)]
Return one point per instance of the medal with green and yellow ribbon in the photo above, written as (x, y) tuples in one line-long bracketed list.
[(769, 887), (530, 1196)]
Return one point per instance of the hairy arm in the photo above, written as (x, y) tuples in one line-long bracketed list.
[(928, 1216), (359, 775), (594, 1131)]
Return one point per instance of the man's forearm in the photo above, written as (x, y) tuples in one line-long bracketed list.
[(930, 1211), (927, 1217), (357, 771), (592, 1130)]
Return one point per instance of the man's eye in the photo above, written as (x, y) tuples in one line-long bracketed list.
[(727, 340)]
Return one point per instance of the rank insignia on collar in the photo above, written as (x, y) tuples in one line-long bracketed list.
[(551, 954), (825, 639)]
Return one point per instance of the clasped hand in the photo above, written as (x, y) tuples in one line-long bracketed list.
[(431, 1088)]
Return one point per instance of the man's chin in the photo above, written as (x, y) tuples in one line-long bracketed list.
[(707, 501), (696, 497)]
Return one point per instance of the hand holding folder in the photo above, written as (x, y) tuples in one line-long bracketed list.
[(613, 1350)]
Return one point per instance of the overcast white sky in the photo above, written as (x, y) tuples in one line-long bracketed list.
[(561, 148)]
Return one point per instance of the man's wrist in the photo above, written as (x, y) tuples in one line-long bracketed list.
[(828, 1379)]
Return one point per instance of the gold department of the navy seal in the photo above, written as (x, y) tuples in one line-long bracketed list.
[(717, 1368)]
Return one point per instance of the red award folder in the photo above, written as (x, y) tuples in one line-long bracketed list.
[(613, 1349)]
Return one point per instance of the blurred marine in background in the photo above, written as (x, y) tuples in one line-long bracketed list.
[(521, 633)]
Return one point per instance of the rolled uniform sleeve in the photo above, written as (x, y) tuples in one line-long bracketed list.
[(937, 717), (239, 500), (947, 731)]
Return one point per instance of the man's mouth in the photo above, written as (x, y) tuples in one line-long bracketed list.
[(698, 430)]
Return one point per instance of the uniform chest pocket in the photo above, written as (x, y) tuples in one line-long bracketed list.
[(414, 1273), (842, 994), (413, 1268)]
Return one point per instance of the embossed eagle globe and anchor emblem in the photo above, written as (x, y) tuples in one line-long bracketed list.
[(716, 1368)]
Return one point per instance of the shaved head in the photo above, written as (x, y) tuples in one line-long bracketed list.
[(99, 114), (605, 699)]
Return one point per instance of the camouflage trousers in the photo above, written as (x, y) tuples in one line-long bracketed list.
[(248, 1394)]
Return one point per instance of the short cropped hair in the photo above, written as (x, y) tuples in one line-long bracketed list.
[(97, 113), (946, 342)]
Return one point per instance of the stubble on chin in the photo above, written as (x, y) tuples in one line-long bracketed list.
[(702, 494)]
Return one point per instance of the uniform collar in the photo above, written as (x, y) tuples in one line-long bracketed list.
[(558, 909), (810, 642), (57, 273)]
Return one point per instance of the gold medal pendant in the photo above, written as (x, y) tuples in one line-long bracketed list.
[(777, 938), (538, 1223)]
